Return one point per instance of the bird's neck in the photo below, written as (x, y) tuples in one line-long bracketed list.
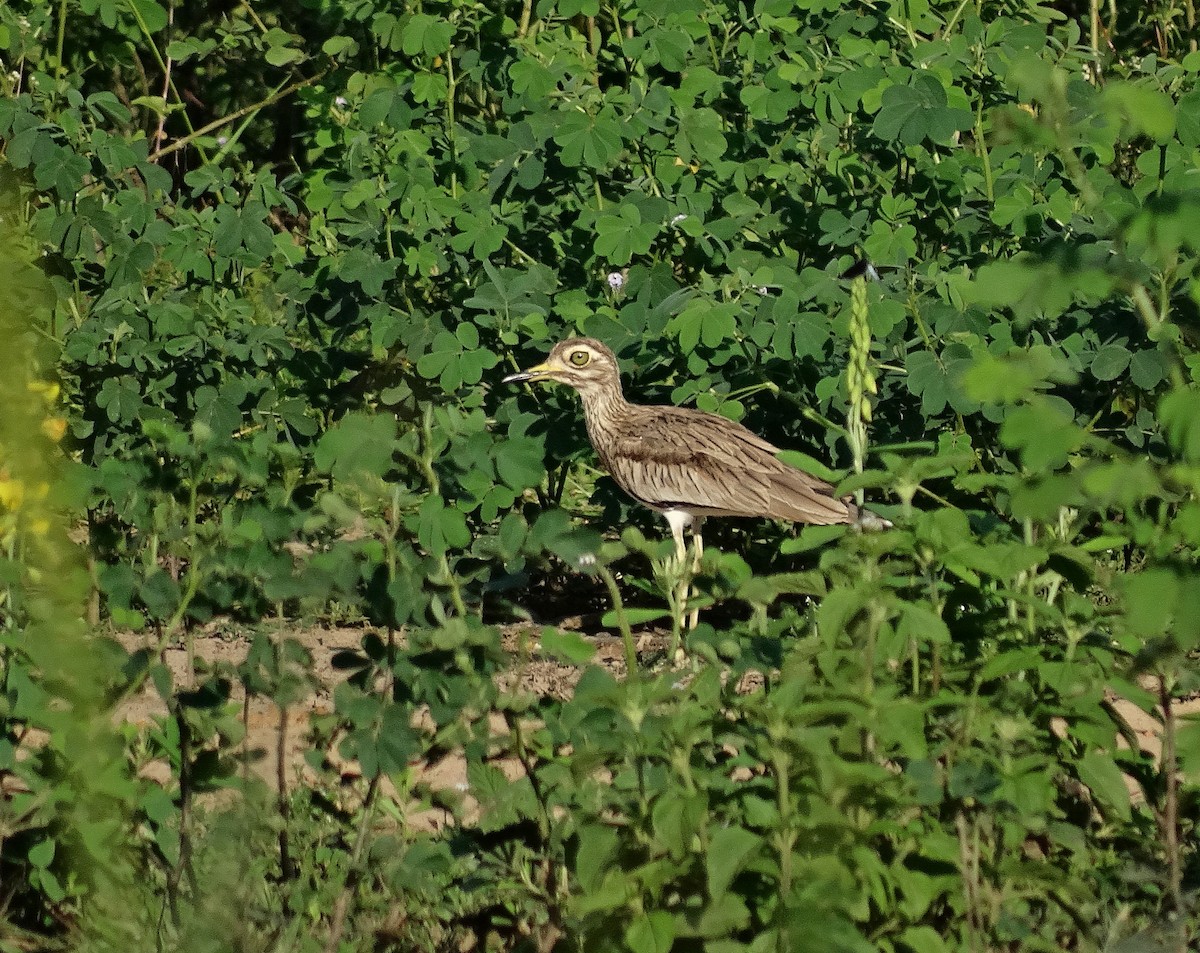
[(603, 408)]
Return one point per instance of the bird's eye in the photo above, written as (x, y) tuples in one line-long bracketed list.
[(579, 358)]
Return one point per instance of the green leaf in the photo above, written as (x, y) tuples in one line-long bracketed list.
[(426, 34), (584, 140), (1150, 600), (652, 932), (701, 136), (1147, 369), (920, 624), (571, 647), (520, 462), (1187, 119), (187, 47), (531, 78), (1188, 747), (598, 845), (1110, 362), (1044, 434), (359, 443), (621, 236), (1143, 108), (924, 939), (441, 527), (633, 616), (430, 87), (283, 55), (150, 13), (61, 170), (670, 48), (927, 378), (398, 742), (159, 593), (41, 854), (1179, 412), (729, 850), (919, 111), (1103, 778), (811, 537)]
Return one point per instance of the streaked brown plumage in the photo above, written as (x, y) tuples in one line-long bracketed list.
[(671, 458), (685, 463)]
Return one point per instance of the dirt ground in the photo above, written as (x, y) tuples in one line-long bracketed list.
[(538, 675), (222, 644)]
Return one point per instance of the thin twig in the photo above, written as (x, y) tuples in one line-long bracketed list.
[(337, 921), (614, 593), (969, 863), (287, 866), (1170, 814), (239, 113), (161, 132), (59, 68)]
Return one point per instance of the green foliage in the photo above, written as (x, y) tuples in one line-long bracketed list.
[(286, 252)]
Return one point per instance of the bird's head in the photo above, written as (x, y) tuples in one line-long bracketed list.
[(582, 363)]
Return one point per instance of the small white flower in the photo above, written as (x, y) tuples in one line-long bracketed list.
[(762, 289), (340, 102), (587, 560), (222, 140), (678, 218), (462, 786), (616, 280)]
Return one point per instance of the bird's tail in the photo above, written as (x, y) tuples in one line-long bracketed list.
[(865, 519)]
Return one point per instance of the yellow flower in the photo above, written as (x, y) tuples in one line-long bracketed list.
[(54, 428), (49, 389), (11, 494)]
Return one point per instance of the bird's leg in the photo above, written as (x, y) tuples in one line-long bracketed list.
[(697, 553), (681, 577)]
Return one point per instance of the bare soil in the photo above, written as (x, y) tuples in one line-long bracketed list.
[(221, 644), (531, 672)]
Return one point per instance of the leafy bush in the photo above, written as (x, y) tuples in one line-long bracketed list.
[(284, 253)]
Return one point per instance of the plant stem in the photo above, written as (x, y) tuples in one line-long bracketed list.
[(1094, 19), (287, 867), (238, 114), (337, 920), (984, 155), (780, 762), (968, 855), (59, 68), (450, 138), (1170, 813), (614, 593)]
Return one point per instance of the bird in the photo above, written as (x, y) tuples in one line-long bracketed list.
[(685, 463)]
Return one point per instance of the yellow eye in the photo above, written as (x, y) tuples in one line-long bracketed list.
[(579, 358)]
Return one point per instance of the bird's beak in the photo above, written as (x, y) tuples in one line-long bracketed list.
[(538, 372)]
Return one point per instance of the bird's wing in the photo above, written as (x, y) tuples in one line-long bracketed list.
[(693, 460)]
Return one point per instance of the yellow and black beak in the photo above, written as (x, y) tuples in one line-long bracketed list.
[(539, 372)]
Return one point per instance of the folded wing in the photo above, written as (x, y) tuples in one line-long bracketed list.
[(709, 465)]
